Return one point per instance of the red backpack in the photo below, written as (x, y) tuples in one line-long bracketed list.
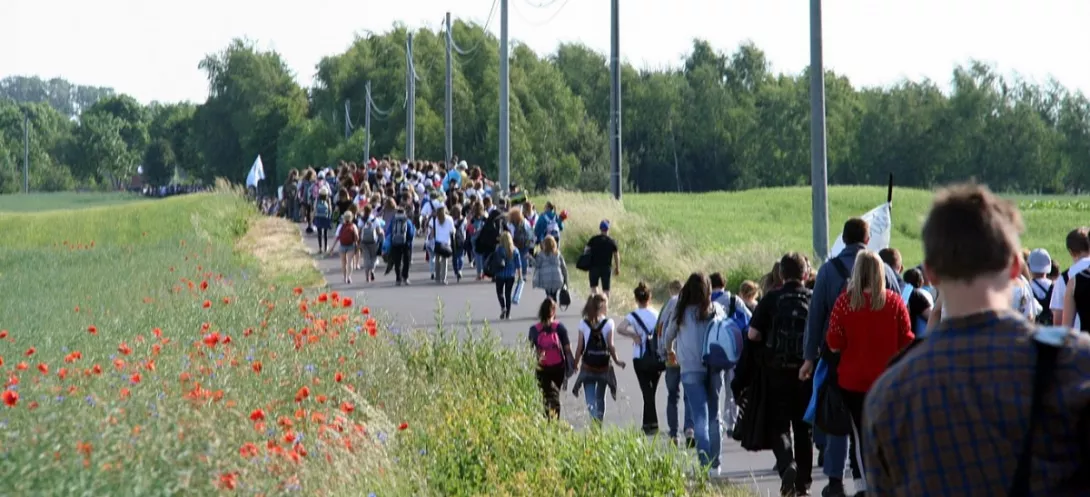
[(348, 235), (548, 343)]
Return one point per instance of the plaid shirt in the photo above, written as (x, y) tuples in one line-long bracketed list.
[(950, 418)]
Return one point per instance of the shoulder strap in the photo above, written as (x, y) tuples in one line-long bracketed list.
[(841, 269), (1037, 283), (635, 315), (1042, 376), (733, 304)]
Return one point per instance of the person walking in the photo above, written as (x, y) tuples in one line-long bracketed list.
[(400, 240), (594, 352), (685, 336), (459, 237), (443, 235), (523, 235), (605, 259), (347, 236), (674, 394), (550, 340), (868, 326), (371, 235), (550, 270), (506, 275), (639, 326), (323, 222)]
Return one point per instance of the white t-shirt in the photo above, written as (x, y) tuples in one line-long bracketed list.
[(649, 317), (585, 331), (1059, 288), (1023, 300), (1040, 288), (429, 208), (443, 231)]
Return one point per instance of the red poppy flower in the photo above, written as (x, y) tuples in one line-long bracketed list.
[(298, 290), (227, 300), (62, 373), (346, 302), (3, 334), (125, 393), (323, 297), (338, 376), (22, 366), (207, 304), (135, 378), (31, 351), (157, 332), (211, 339), (204, 285), (347, 407), (248, 450), (228, 481), (257, 415), (92, 330), (124, 349), (43, 368), (256, 366), (302, 394), (366, 311), (403, 427), (10, 397)]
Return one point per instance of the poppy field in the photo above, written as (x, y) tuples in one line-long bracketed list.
[(143, 353)]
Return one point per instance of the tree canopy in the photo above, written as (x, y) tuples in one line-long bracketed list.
[(718, 121)]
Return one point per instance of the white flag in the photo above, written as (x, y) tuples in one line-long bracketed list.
[(257, 173), (880, 220)]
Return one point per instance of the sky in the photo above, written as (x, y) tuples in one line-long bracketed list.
[(150, 48)]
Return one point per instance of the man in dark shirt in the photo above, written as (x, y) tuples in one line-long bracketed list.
[(605, 259), (787, 395)]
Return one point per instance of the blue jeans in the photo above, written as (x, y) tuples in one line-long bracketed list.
[(595, 393), (673, 395), (836, 452), (524, 255), (702, 399), (479, 264), (458, 262)]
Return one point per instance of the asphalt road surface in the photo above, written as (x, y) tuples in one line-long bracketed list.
[(475, 304)]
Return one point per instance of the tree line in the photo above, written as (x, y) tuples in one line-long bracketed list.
[(719, 121)]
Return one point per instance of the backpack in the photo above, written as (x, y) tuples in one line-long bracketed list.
[(547, 341), (496, 263), (552, 228), (369, 234), (785, 342), (459, 233), (348, 235), (522, 236), (322, 209), (399, 232), (723, 343), (1045, 317), (649, 360), (475, 227), (596, 351)]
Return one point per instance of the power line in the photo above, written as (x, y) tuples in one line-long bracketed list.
[(541, 5), (471, 51), (546, 21)]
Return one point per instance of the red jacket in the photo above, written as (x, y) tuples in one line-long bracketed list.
[(867, 339)]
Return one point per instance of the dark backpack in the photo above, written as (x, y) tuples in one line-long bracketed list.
[(596, 351), (650, 360), (399, 232), (785, 342), (1045, 317), (460, 233)]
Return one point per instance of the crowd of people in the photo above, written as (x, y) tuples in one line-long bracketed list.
[(164, 191), (930, 380)]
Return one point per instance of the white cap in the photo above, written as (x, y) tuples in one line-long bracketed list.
[(1039, 261)]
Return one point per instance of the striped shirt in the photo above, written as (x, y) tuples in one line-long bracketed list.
[(950, 417)]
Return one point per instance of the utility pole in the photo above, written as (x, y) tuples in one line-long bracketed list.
[(367, 125), (615, 101), (347, 121), (505, 111), (450, 97), (26, 153), (410, 105), (818, 167)]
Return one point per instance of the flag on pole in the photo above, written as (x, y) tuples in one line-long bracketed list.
[(257, 173), (880, 220)]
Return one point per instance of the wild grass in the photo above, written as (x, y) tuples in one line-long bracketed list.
[(741, 234), (36, 202), (157, 349)]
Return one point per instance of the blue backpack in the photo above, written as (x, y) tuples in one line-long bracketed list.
[(724, 340)]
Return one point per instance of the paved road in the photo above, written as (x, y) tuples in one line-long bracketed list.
[(475, 304)]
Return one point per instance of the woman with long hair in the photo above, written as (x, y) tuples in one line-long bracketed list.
[(505, 277), (639, 325), (868, 326), (443, 234), (553, 349), (477, 219), (594, 352), (523, 235), (550, 270), (685, 335), (347, 237)]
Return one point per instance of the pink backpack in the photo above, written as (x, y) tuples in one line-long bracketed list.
[(548, 341)]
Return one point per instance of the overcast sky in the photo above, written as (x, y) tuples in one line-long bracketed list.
[(150, 49)]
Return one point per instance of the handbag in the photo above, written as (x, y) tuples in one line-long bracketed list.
[(583, 263), (443, 250), (832, 415), (564, 298)]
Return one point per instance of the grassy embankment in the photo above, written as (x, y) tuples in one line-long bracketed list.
[(178, 347), (741, 234)]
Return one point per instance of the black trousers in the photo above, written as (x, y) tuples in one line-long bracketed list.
[(649, 385), (854, 402), (504, 287), (550, 380), (401, 258), (790, 398)]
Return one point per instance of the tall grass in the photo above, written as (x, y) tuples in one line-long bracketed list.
[(133, 387)]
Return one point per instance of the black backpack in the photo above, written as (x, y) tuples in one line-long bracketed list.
[(650, 360), (785, 342), (596, 351), (1045, 317)]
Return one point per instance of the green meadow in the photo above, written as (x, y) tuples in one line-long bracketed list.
[(183, 346)]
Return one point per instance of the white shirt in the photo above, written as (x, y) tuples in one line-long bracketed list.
[(649, 317), (1040, 288), (429, 208), (585, 330), (1023, 300), (1059, 288), (443, 231)]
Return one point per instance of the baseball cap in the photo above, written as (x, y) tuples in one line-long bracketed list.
[(1039, 261), (604, 226)]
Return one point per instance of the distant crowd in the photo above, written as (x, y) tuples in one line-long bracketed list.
[(169, 190)]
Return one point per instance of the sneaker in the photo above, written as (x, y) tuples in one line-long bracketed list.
[(407, 282), (835, 488), (714, 472), (787, 480), (802, 492)]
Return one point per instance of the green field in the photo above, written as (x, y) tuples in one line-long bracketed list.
[(36, 202), (741, 234), (115, 340)]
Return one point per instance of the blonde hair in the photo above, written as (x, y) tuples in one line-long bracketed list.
[(508, 244), (346, 218), (548, 245), (868, 276), (749, 290), (441, 214), (515, 216)]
